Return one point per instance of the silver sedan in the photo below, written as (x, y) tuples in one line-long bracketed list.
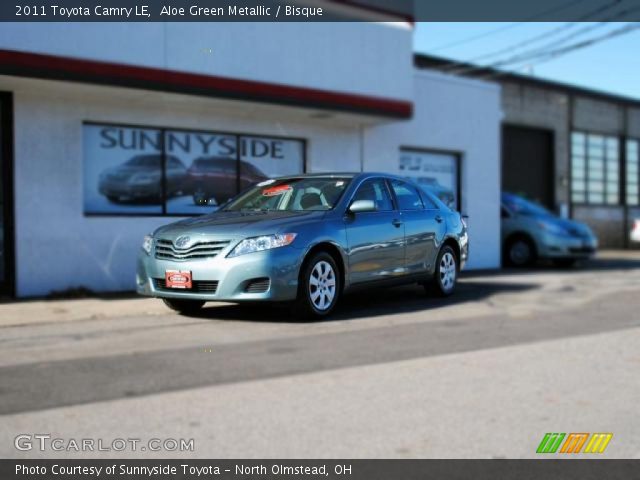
[(306, 239)]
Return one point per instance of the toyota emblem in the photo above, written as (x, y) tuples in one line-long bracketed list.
[(183, 241)]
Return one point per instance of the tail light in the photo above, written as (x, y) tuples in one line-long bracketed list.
[(636, 225)]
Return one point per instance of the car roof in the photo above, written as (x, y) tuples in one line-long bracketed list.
[(353, 175)]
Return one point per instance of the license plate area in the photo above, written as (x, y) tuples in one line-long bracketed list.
[(180, 279)]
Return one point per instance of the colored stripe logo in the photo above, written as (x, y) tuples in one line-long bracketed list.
[(573, 443)]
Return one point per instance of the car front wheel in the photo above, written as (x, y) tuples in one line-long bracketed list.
[(520, 252), (319, 287), (183, 307)]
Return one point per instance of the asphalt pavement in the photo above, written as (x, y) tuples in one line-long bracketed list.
[(394, 374)]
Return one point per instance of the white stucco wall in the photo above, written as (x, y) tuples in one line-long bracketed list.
[(458, 115), (58, 247), (356, 57)]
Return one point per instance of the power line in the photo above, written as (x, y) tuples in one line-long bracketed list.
[(541, 50), (553, 54), (506, 27), (476, 37), (542, 36)]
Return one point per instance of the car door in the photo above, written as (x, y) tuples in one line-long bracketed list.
[(424, 226), (375, 239)]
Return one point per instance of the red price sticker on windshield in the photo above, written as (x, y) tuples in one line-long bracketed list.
[(277, 190)]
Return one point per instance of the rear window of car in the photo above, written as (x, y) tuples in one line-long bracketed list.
[(407, 196)]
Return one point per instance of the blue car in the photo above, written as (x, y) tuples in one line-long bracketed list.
[(305, 239), (531, 232)]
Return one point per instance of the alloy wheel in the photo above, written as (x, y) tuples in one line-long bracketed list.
[(322, 285), (448, 271)]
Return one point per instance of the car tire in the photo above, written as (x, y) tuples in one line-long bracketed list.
[(184, 307), (564, 262), (520, 252), (445, 276), (319, 288)]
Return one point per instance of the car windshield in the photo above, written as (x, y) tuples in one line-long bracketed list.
[(524, 207), (292, 194)]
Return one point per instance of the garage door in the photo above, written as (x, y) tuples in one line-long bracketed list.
[(527, 163)]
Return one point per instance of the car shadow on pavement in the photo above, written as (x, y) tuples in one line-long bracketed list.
[(368, 303), (594, 265)]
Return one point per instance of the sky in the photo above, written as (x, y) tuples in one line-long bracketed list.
[(612, 66)]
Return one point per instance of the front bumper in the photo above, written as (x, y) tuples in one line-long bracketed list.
[(552, 246), (236, 277)]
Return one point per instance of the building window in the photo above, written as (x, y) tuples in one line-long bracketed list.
[(435, 171), (158, 171), (595, 169), (633, 177)]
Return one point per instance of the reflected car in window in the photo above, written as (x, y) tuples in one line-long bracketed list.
[(306, 239), (140, 179), (214, 179), (443, 193), (531, 232)]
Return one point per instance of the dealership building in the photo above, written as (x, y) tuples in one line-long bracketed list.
[(96, 119), (572, 149)]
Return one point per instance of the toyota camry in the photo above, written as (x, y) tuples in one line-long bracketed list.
[(306, 239)]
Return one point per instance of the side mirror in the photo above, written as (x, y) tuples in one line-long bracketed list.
[(361, 206)]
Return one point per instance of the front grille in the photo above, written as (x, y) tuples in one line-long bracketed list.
[(165, 250), (198, 286), (258, 285)]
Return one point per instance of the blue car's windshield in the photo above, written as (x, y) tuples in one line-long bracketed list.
[(292, 194), (524, 207)]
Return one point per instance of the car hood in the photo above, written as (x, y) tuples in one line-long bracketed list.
[(128, 170), (576, 228), (239, 224)]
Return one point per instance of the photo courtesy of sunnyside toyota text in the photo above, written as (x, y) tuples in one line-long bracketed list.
[(319, 239)]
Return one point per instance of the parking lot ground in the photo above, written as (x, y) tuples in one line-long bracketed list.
[(485, 373)]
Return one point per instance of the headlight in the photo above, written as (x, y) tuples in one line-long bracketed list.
[(554, 229), (265, 242), (147, 244)]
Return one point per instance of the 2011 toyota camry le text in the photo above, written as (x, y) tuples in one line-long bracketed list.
[(306, 239)]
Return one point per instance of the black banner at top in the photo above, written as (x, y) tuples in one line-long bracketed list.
[(319, 10)]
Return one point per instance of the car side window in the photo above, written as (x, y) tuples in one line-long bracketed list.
[(407, 196), (427, 201), (376, 190)]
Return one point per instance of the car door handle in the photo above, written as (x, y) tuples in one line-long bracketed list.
[(397, 223), (439, 219)]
